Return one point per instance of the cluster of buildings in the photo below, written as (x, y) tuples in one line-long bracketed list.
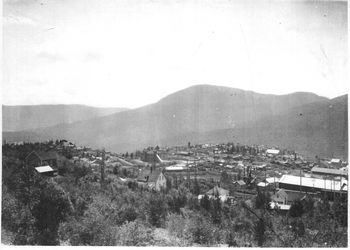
[(283, 173)]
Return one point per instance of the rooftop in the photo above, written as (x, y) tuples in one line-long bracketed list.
[(176, 168), (335, 161), (315, 182), (218, 191), (272, 179), (329, 171), (44, 169), (240, 182), (272, 151)]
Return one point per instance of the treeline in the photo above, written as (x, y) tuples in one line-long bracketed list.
[(76, 208)]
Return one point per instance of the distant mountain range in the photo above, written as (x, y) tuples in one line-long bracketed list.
[(25, 117), (308, 123)]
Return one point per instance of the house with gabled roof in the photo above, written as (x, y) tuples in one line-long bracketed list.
[(217, 191), (152, 178), (280, 197), (240, 184), (287, 197)]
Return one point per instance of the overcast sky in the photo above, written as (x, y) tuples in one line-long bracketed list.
[(132, 53)]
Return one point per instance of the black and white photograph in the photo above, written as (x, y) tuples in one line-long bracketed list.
[(174, 123)]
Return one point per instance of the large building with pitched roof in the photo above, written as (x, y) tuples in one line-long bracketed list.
[(327, 187)]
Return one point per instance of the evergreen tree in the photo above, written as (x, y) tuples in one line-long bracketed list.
[(296, 209), (215, 210), (156, 210), (262, 200), (205, 202), (259, 231), (197, 188)]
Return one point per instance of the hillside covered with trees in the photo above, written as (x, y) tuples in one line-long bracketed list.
[(83, 207)]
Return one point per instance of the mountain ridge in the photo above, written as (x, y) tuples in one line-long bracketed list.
[(201, 110)]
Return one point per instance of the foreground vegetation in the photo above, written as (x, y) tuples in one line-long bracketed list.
[(78, 208)]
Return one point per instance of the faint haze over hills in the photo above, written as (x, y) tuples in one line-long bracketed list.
[(17, 118), (132, 53), (302, 121)]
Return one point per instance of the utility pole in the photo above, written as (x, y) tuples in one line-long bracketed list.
[(25, 162), (300, 179), (265, 177), (333, 189), (28, 182), (103, 169), (188, 175)]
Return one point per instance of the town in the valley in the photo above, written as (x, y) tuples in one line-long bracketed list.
[(235, 171), (232, 174)]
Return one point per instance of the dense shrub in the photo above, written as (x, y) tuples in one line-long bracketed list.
[(199, 230), (156, 210), (176, 225), (10, 211), (94, 229), (126, 214), (134, 234), (52, 208)]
